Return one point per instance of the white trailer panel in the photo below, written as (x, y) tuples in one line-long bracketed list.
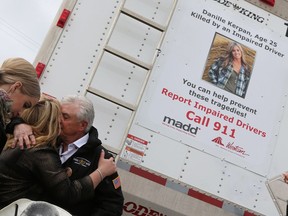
[(123, 50)]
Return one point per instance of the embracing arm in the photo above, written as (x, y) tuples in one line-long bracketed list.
[(56, 182), (108, 199), (23, 134), (14, 121), (105, 168)]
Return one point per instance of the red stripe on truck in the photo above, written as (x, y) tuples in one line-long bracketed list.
[(246, 213), (205, 198), (148, 175)]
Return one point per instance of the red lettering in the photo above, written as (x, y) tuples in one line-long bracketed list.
[(153, 213), (176, 97), (189, 115), (130, 207), (139, 210)]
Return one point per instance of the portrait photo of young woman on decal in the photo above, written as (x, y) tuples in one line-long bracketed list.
[(229, 65)]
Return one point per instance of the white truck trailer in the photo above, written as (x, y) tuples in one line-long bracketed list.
[(184, 146)]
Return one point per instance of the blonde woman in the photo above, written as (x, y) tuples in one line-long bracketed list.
[(231, 72), (19, 89), (36, 173)]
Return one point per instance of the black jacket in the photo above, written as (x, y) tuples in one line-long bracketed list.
[(36, 174), (108, 199)]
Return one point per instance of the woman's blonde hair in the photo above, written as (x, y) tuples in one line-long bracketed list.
[(229, 56), (44, 118), (19, 69)]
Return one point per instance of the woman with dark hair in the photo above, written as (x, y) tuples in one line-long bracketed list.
[(231, 72)]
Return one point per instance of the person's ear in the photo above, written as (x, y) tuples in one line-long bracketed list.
[(83, 125), (15, 86)]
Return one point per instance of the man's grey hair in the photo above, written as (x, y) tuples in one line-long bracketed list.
[(86, 108)]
